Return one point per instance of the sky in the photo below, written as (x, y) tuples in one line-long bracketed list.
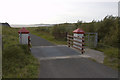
[(55, 11)]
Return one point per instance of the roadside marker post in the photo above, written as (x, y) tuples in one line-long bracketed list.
[(23, 36), (79, 33), (77, 40)]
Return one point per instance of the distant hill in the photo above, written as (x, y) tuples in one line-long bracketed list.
[(32, 25)]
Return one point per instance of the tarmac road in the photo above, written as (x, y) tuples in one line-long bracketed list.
[(59, 62), (38, 41), (74, 68)]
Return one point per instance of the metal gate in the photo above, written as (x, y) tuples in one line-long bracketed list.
[(91, 40)]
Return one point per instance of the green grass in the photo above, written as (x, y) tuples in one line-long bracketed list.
[(47, 36), (111, 56), (18, 62)]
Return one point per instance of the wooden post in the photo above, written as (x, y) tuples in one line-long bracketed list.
[(96, 39), (82, 44), (88, 40), (29, 45), (68, 40)]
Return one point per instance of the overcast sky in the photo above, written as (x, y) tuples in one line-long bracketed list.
[(55, 11)]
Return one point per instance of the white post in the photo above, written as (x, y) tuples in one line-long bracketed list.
[(78, 33), (23, 36)]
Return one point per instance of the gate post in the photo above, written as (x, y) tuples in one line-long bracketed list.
[(83, 44), (79, 33), (23, 36)]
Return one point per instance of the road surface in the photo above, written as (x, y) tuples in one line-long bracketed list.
[(64, 62)]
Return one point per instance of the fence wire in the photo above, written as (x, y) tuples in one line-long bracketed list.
[(91, 40)]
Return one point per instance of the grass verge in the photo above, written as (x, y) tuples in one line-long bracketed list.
[(17, 61), (111, 56), (47, 36)]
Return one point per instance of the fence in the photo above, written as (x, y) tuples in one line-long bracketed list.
[(60, 36), (78, 44), (91, 40)]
